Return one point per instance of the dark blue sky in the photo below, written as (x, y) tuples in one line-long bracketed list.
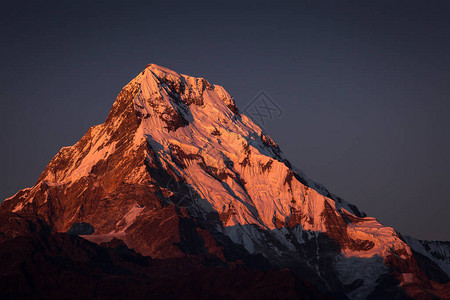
[(364, 86)]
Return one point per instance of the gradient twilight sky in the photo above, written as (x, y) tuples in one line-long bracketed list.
[(364, 86)]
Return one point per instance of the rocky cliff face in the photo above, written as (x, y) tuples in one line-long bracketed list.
[(177, 171)]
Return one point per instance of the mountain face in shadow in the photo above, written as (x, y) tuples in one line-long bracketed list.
[(180, 195)]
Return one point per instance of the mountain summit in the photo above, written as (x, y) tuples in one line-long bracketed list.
[(177, 173)]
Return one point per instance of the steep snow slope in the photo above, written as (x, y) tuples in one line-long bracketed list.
[(437, 251)]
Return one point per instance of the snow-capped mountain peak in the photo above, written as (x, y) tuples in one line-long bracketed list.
[(175, 155)]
